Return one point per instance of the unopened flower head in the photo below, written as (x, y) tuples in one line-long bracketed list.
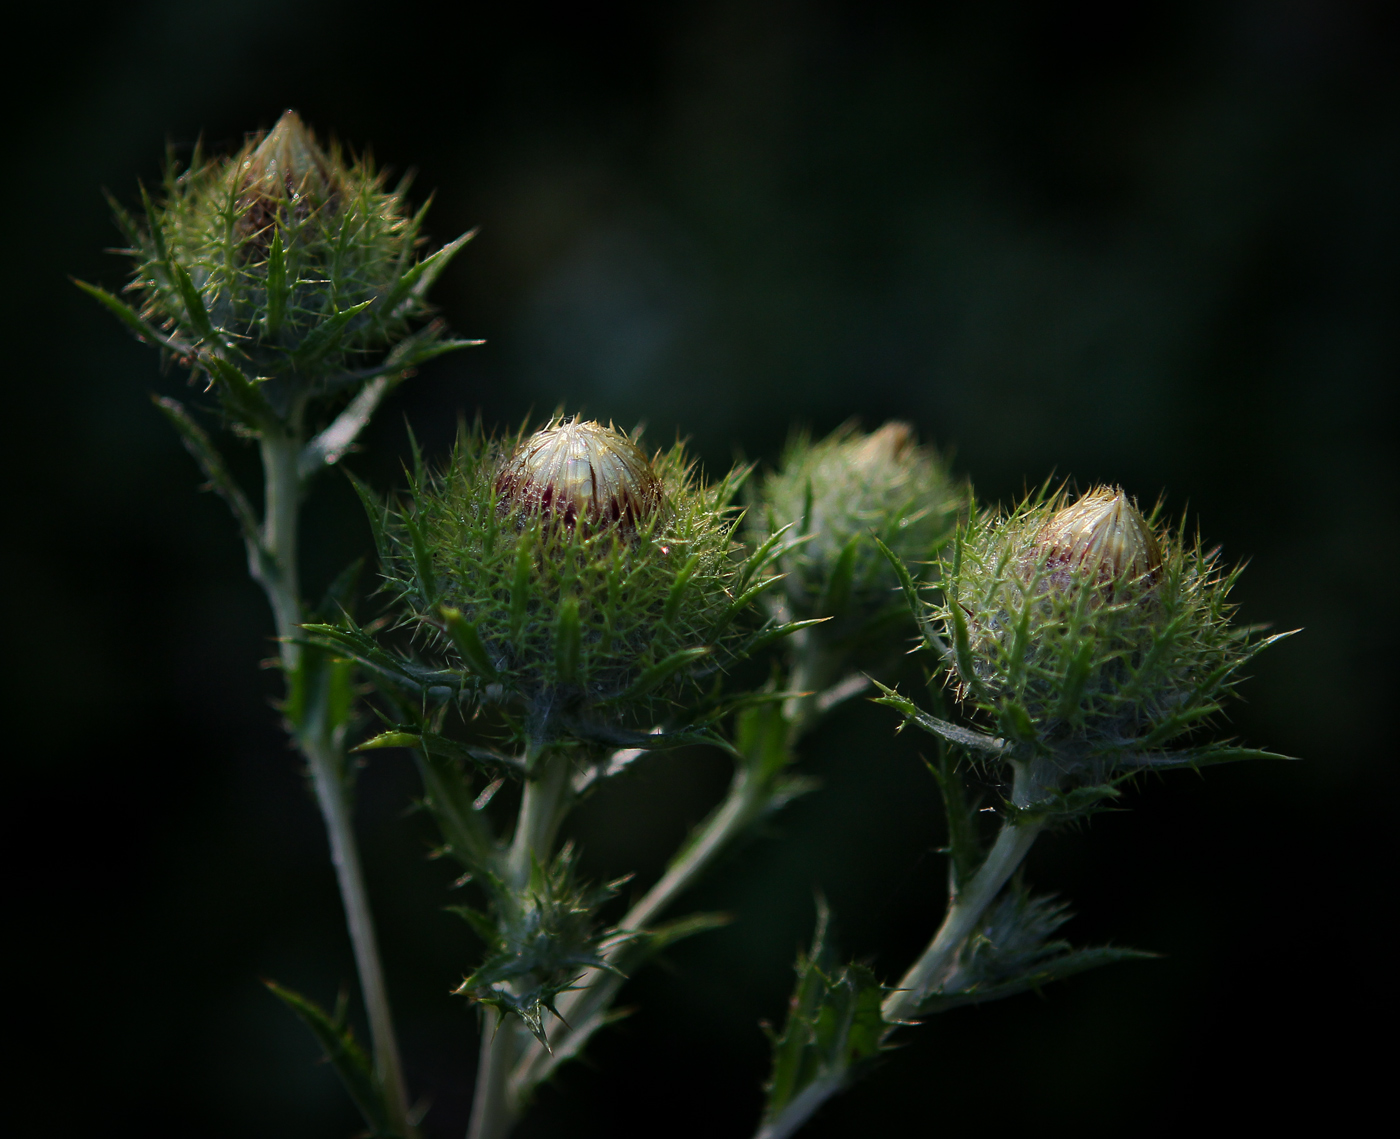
[(595, 581), (834, 495), (1101, 536), (285, 258), (572, 471), (1081, 629)]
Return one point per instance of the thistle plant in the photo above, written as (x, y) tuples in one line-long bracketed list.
[(288, 281), (558, 601)]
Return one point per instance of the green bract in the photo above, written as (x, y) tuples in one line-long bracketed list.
[(838, 493), (571, 576), (1086, 631)]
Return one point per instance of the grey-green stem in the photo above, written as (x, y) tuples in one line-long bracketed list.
[(585, 1009), (542, 807), (277, 571), (966, 909)]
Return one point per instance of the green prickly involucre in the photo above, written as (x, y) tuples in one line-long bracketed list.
[(1084, 629), (576, 611), (839, 491), (292, 258)]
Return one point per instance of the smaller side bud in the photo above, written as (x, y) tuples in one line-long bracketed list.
[(572, 471), (1101, 536), (832, 496)]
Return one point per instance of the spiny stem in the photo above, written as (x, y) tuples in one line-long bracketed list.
[(542, 806), (326, 761)]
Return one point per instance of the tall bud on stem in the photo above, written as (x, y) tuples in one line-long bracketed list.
[(594, 579), (285, 278)]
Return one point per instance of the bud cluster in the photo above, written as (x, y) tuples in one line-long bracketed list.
[(583, 580), (1086, 630), (838, 493)]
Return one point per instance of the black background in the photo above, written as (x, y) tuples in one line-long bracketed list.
[(1153, 244)]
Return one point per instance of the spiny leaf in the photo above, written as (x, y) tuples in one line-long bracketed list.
[(278, 290), (129, 317), (677, 593), (660, 672), (326, 336), (345, 1056), (917, 609), (198, 444), (418, 279), (1056, 968), (194, 305), (977, 741)]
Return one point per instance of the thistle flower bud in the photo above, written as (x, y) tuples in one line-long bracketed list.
[(571, 471), (281, 263), (551, 614), (1102, 536), (835, 494), (1084, 632)]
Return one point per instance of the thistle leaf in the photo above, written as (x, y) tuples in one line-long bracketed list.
[(833, 1026), (343, 1054)]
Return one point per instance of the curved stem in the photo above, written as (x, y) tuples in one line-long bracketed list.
[(924, 976), (325, 759), (964, 912)]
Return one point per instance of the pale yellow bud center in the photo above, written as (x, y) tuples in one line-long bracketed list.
[(1103, 534), (572, 470), (287, 163)]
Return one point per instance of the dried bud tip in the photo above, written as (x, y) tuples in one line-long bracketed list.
[(887, 445), (571, 470), (287, 163), (1103, 533)]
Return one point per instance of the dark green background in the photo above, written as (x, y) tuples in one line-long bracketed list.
[(1154, 246)]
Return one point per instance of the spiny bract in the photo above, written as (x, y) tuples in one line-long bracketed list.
[(838, 492), (590, 580), (1084, 629)]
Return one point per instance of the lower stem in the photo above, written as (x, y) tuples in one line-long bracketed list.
[(345, 856), (493, 1114), (325, 761), (495, 1107), (965, 911), (966, 908)]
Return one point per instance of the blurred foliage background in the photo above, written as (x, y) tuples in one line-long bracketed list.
[(1151, 244)]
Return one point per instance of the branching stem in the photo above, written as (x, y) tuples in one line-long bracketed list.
[(585, 1008), (965, 911)]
